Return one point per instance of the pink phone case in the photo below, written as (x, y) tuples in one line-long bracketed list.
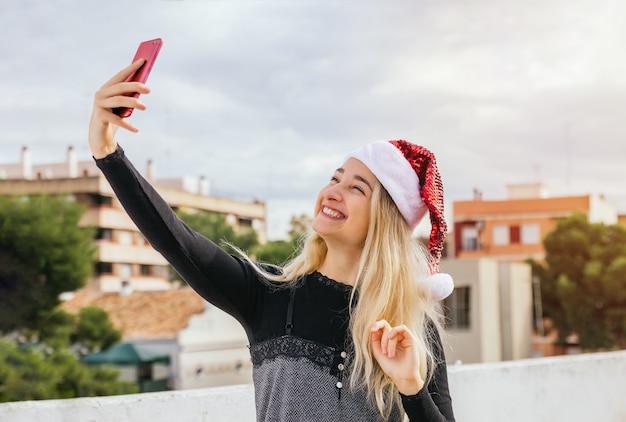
[(148, 50)]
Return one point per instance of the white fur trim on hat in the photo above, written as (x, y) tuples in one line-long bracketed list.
[(438, 286), (398, 177)]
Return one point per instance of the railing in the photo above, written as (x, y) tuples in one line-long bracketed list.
[(587, 387)]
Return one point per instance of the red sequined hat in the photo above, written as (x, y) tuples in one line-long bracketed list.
[(409, 174)]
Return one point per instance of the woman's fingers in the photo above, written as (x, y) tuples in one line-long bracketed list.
[(115, 93), (116, 120), (124, 73), (388, 337), (378, 335), (394, 348), (110, 103), (121, 88), (392, 342), (113, 96)]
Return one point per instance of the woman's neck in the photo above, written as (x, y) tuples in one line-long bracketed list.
[(341, 266)]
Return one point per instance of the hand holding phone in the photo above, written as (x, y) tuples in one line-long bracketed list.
[(147, 50)]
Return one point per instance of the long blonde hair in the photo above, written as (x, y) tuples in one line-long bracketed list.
[(386, 287)]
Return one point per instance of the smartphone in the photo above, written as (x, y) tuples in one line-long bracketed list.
[(148, 50)]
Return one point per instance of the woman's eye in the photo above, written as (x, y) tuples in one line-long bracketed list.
[(334, 179), (358, 188)]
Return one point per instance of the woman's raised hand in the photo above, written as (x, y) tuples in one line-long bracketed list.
[(394, 349), (104, 122)]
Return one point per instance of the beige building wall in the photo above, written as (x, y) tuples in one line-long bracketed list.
[(516, 310), (495, 289)]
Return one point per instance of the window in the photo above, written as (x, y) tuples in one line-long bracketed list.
[(501, 235), (146, 270), (124, 237), (160, 271), (101, 200), (514, 234), (506, 235), (530, 234), (470, 239), (140, 239), (457, 309), (104, 268), (125, 270), (105, 234), (245, 222)]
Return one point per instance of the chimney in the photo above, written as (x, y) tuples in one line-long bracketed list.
[(27, 165), (72, 163), (205, 186), (150, 171)]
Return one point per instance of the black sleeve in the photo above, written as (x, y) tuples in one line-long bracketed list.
[(225, 281), (433, 403)]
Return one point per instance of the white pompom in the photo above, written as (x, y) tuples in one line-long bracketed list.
[(438, 286)]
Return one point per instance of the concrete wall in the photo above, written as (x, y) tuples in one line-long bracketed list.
[(213, 351), (601, 211), (516, 310), (500, 311), (589, 387), (487, 306)]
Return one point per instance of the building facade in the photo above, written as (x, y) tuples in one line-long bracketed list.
[(491, 309), (125, 260), (513, 229), (489, 313)]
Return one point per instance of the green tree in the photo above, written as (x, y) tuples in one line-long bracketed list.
[(43, 253), (40, 373), (91, 330), (299, 226), (583, 281), (276, 252), (214, 226), (279, 252), (94, 330)]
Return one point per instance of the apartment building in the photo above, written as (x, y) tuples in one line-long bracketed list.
[(125, 260), (491, 309), (513, 229)]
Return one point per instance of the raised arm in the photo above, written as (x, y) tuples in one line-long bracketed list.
[(217, 276)]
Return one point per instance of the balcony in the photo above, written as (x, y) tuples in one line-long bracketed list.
[(587, 387)]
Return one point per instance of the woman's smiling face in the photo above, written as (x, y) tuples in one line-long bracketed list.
[(342, 211)]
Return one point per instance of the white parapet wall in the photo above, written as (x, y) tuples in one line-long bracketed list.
[(587, 387), (576, 388)]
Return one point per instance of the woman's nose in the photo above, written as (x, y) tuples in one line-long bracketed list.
[(333, 192)]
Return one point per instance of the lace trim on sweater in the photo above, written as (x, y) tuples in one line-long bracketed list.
[(293, 347)]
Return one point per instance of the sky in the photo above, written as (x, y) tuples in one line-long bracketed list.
[(264, 98)]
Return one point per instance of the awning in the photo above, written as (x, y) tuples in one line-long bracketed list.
[(126, 354)]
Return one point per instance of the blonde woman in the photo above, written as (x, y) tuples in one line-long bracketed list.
[(348, 330)]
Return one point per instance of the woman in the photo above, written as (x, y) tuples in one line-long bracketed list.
[(348, 330)]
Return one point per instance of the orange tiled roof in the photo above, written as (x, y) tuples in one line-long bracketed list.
[(143, 314)]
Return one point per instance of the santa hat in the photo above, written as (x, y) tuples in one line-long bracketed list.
[(409, 174)]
